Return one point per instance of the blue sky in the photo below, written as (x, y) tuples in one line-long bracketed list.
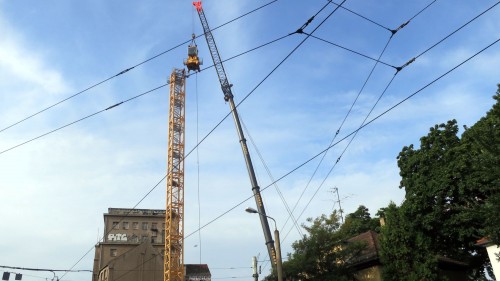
[(55, 189)]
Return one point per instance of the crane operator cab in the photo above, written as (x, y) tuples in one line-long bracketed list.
[(193, 62)]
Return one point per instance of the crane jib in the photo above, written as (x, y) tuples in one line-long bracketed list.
[(228, 97)]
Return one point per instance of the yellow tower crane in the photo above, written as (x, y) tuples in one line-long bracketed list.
[(174, 215), (173, 267)]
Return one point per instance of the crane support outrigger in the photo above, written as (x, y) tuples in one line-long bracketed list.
[(228, 97)]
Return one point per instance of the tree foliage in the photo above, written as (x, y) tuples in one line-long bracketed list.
[(358, 222), (405, 254), (451, 201), (323, 253)]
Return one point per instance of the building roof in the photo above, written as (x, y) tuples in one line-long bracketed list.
[(371, 251), (370, 254), (483, 242), (132, 212), (197, 269)]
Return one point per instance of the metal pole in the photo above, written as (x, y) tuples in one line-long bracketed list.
[(276, 262), (254, 264), (279, 265)]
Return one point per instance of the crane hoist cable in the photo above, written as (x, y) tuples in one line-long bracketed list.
[(198, 162)]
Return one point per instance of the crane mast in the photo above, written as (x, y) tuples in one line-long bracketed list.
[(228, 97), (174, 213)]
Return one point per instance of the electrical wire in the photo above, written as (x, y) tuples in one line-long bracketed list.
[(338, 159), (132, 98), (231, 277), (124, 217), (352, 51), (361, 16), (346, 116), (198, 165), (456, 30), (53, 271), (241, 267), (350, 134), (345, 149), (187, 154), (44, 269), (132, 67), (327, 148), (283, 200), (337, 133), (237, 105), (81, 119)]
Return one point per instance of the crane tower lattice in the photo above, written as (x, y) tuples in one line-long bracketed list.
[(174, 218)]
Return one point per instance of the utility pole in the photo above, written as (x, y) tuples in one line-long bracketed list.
[(254, 266), (278, 265)]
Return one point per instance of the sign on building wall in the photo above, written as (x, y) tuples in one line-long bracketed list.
[(117, 237)]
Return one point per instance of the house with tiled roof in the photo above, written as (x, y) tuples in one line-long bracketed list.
[(368, 266)]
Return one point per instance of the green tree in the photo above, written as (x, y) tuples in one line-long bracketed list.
[(324, 254), (358, 222), (451, 201), (483, 147), (406, 254)]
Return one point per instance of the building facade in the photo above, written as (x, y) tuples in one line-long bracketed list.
[(125, 230), (132, 248)]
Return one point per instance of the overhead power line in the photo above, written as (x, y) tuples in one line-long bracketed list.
[(456, 30), (361, 16), (130, 68), (398, 69), (336, 134), (228, 114), (348, 112), (45, 269), (329, 147), (132, 98), (352, 51), (313, 157), (350, 134)]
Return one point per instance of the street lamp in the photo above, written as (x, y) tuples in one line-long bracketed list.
[(279, 266)]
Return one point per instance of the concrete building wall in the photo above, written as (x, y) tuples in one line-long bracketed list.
[(493, 251), (134, 226), (124, 230)]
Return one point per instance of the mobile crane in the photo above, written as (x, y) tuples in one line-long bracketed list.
[(228, 97)]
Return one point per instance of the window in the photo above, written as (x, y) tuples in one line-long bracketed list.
[(113, 252), (103, 276), (154, 226), (144, 226), (135, 225), (125, 225), (163, 225), (134, 238), (115, 225)]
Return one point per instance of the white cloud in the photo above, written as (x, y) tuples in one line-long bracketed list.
[(26, 66)]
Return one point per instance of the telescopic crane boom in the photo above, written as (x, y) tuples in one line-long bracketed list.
[(228, 97)]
